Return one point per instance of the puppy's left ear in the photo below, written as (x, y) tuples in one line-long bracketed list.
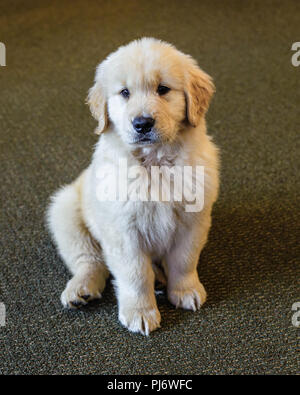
[(98, 106), (199, 89)]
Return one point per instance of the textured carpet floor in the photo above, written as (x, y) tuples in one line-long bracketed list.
[(250, 266)]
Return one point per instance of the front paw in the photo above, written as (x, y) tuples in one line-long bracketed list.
[(187, 293), (140, 319)]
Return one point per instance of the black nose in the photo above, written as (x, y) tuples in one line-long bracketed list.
[(143, 124)]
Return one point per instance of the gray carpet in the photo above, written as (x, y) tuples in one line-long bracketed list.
[(250, 266)]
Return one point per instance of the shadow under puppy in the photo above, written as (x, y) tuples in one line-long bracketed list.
[(150, 102)]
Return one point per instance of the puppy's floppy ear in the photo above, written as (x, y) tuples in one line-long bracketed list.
[(97, 102), (199, 89)]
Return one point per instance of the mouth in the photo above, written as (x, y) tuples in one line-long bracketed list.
[(146, 139)]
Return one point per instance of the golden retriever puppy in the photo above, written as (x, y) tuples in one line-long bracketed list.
[(150, 102)]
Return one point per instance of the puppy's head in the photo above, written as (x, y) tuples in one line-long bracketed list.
[(149, 90)]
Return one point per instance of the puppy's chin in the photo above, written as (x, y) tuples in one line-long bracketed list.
[(150, 138)]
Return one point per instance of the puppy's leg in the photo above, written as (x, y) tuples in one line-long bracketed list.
[(184, 288), (78, 249), (134, 280)]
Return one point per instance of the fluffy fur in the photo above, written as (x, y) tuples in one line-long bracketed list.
[(125, 237)]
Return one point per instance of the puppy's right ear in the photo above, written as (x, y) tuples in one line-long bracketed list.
[(98, 106), (199, 90)]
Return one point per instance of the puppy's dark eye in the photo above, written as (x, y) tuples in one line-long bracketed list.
[(125, 93), (162, 90)]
